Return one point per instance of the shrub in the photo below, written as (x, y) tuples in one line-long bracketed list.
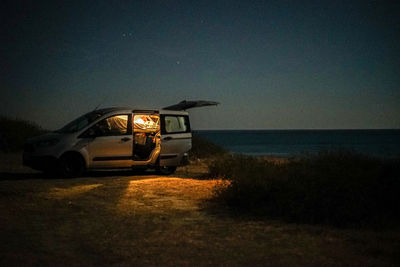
[(14, 132), (334, 187), (202, 148)]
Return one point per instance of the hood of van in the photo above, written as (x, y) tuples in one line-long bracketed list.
[(48, 139), (46, 136)]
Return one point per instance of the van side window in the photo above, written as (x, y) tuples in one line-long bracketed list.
[(115, 125), (175, 124)]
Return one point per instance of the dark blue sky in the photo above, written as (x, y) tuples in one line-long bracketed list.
[(271, 64)]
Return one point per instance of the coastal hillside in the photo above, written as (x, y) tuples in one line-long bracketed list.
[(14, 132)]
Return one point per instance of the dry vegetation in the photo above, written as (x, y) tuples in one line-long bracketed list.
[(122, 218), (340, 188), (14, 132)]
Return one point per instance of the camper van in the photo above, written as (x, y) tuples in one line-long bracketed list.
[(115, 138)]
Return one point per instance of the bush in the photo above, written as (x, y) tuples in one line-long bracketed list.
[(336, 187), (14, 132), (202, 148)]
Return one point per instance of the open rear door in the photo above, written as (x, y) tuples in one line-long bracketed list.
[(176, 138), (184, 105)]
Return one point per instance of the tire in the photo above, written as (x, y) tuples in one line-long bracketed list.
[(71, 166), (166, 170)]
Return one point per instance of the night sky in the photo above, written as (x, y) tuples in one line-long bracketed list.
[(271, 64)]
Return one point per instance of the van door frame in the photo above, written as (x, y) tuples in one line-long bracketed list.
[(156, 151), (174, 144)]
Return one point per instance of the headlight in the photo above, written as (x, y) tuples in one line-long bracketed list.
[(46, 143)]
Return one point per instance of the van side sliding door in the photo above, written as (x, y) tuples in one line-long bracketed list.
[(176, 138)]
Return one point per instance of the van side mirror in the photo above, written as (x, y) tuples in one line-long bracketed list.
[(91, 132)]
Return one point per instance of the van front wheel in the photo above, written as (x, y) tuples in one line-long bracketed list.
[(71, 166), (166, 170)]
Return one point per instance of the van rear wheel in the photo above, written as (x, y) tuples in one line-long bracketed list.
[(71, 166), (166, 170)]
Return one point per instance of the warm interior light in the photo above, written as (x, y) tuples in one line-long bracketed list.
[(122, 117), (139, 121), (159, 194), (146, 122), (60, 193)]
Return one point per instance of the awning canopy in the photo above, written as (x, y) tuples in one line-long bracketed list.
[(184, 105)]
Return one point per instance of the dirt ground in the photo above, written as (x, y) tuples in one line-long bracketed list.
[(139, 219)]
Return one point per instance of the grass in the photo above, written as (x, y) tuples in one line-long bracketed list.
[(334, 187)]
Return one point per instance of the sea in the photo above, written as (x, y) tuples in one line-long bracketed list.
[(288, 143)]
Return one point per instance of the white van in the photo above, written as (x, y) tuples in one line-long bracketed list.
[(116, 138)]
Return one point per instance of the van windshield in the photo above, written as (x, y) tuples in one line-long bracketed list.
[(80, 123)]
